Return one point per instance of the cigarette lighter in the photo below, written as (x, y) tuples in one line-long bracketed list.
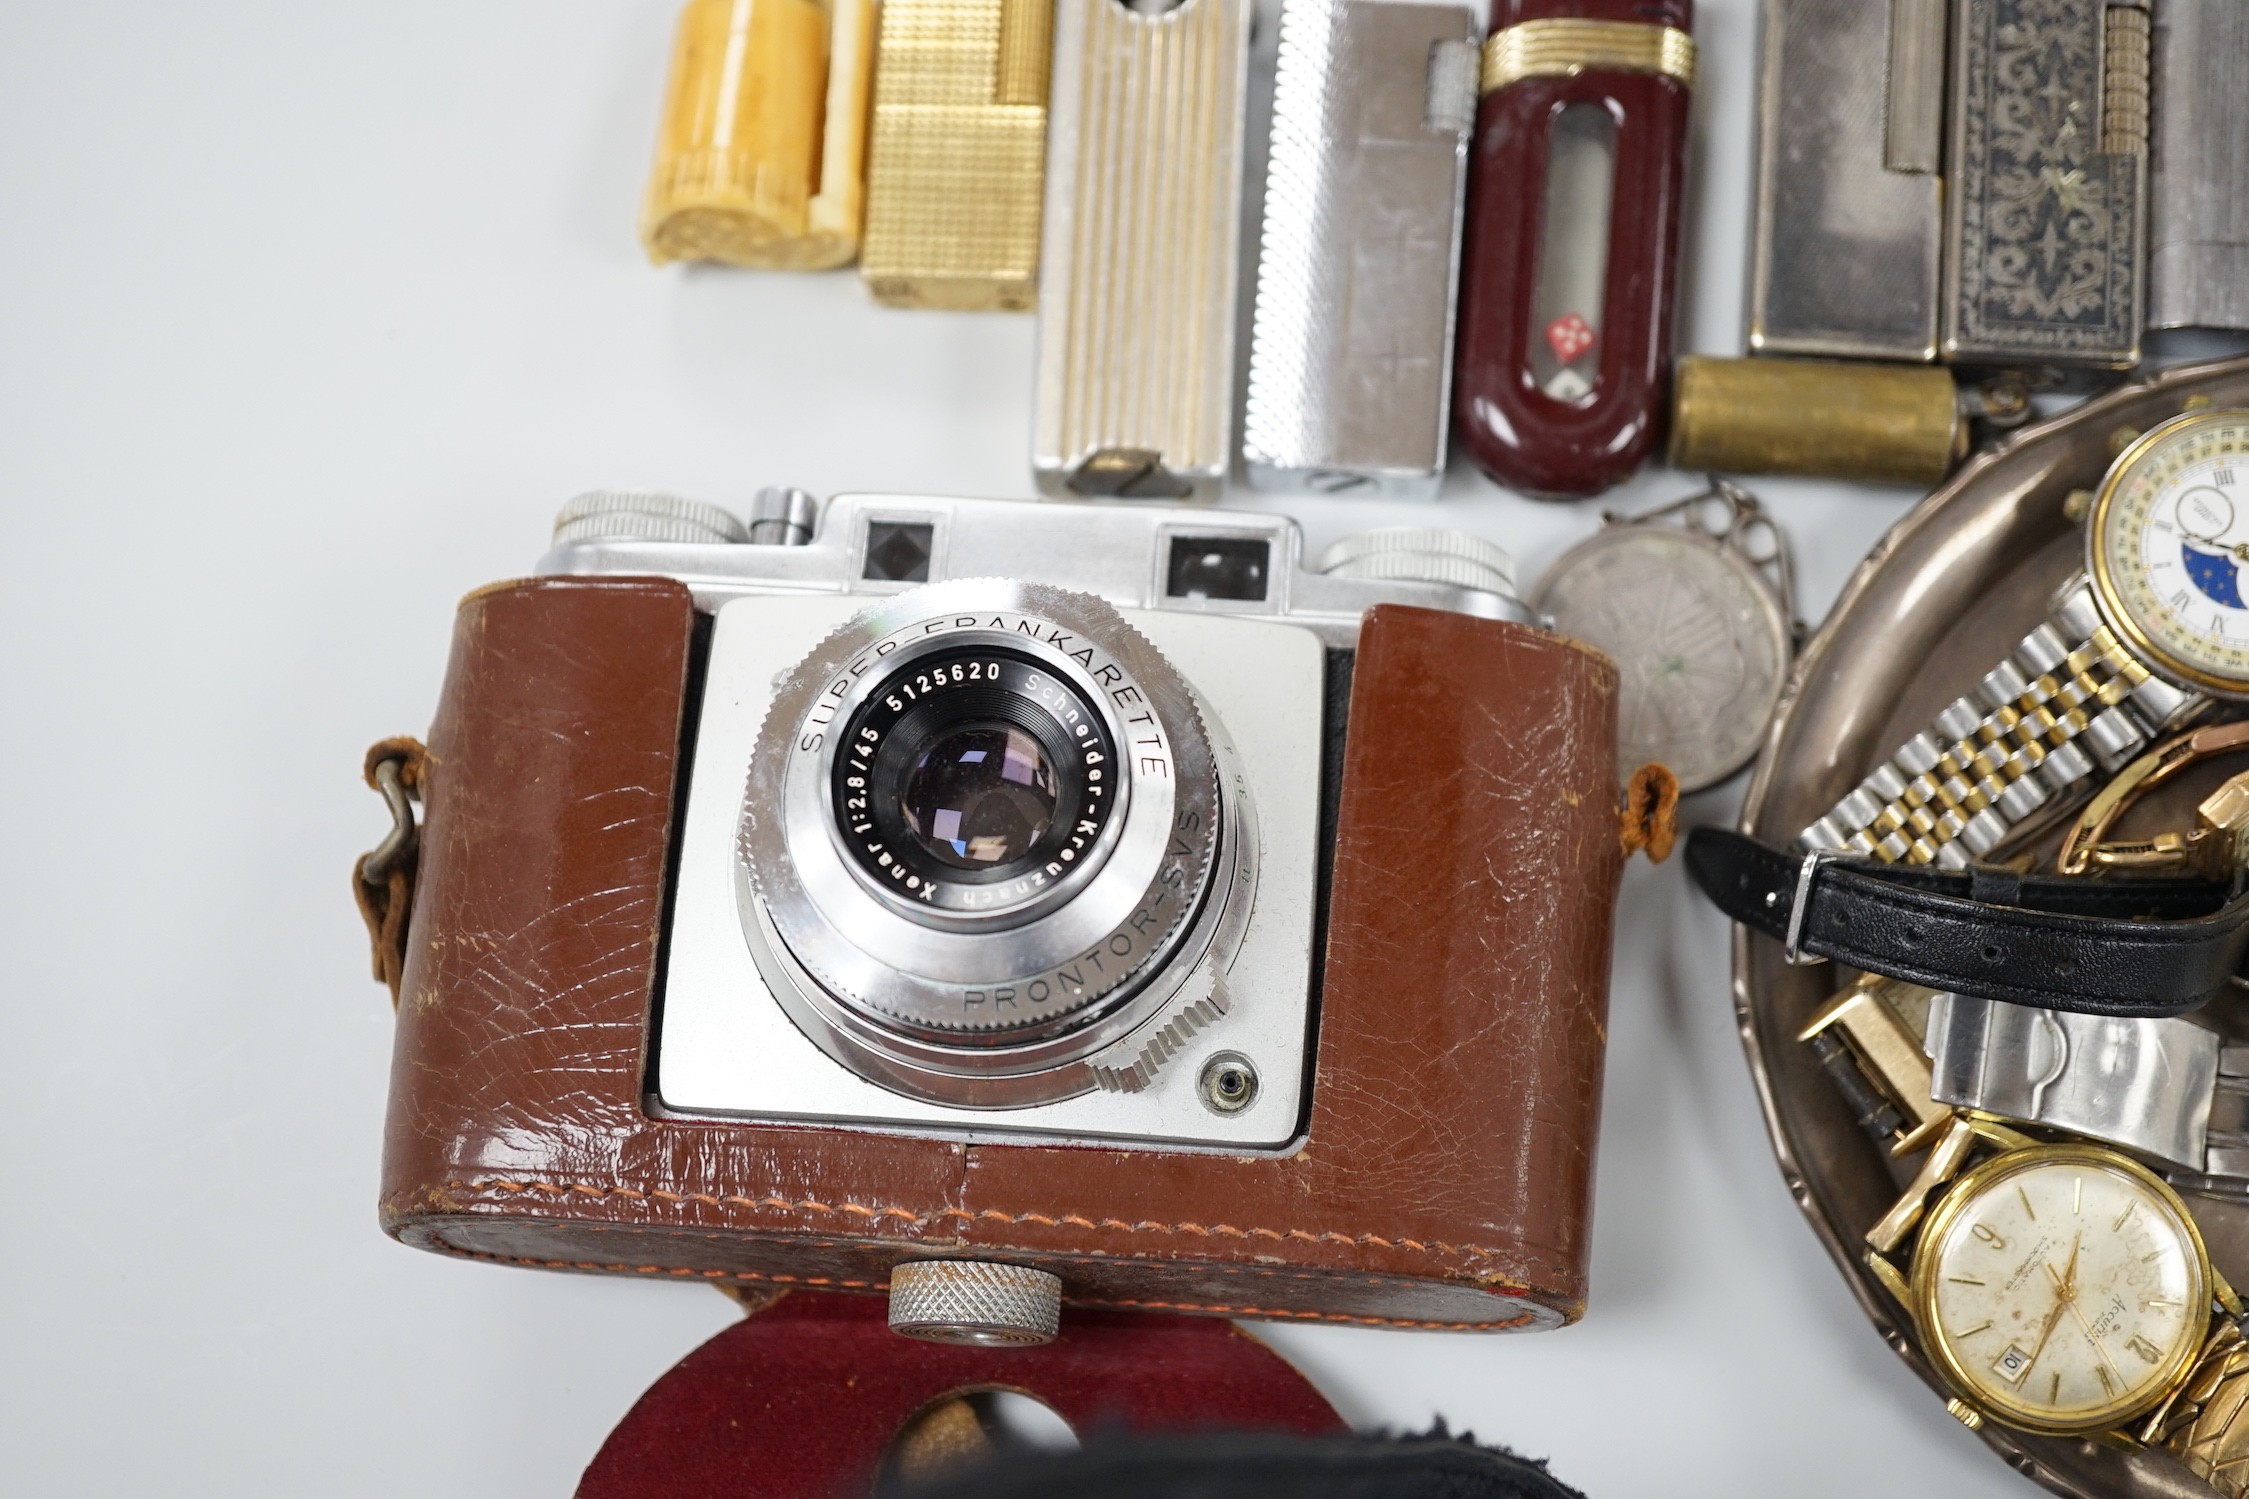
[(2046, 188), (1880, 423), (2198, 242), (759, 157), (957, 152), (1350, 364), (1986, 210), (1576, 178), (1137, 270), (1847, 243)]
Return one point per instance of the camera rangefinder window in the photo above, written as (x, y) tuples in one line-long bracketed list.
[(1218, 567), (971, 778)]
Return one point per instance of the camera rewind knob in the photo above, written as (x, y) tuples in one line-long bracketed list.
[(975, 1302), (1422, 554), (645, 515)]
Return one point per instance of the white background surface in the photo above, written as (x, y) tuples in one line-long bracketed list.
[(310, 316)]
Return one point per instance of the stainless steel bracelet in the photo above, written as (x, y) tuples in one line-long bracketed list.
[(2069, 698), (2171, 1090)]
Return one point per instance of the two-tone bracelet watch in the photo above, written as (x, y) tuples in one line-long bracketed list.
[(2155, 627), (2063, 1288)]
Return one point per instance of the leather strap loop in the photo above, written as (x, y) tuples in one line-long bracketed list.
[(2057, 942), (383, 881)]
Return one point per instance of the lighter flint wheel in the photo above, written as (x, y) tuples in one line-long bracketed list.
[(975, 1302)]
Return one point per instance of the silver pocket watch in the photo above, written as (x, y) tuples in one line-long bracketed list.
[(1694, 602)]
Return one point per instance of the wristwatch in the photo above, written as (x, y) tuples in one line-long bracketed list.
[(2062, 1288), (2155, 627)]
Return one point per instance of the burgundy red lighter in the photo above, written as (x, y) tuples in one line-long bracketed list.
[(1571, 258)]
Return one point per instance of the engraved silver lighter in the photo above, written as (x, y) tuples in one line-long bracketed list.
[(1964, 181), (1138, 276), (2046, 171), (1350, 365), (2198, 220)]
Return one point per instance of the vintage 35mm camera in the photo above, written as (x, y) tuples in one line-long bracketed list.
[(1088, 894)]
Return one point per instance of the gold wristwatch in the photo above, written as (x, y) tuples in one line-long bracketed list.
[(2063, 1288)]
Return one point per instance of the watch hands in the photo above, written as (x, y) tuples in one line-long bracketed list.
[(2098, 1351), (2065, 1293)]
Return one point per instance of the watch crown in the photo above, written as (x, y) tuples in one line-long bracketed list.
[(2077, 505), (1966, 1414), (2120, 439), (2197, 403)]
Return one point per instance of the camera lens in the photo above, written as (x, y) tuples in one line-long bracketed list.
[(974, 782), (980, 796), (985, 840)]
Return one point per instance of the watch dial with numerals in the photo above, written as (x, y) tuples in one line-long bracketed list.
[(2170, 549), (2062, 1288)]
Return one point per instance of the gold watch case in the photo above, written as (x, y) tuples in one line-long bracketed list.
[(1995, 1175), (2137, 482)]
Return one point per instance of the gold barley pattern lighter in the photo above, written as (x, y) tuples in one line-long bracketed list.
[(957, 153)]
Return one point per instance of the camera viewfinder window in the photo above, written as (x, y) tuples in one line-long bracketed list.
[(897, 552), (1219, 567)]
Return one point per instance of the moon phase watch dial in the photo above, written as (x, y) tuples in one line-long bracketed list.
[(2169, 540)]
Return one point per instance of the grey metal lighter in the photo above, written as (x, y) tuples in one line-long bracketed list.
[(2198, 220), (1350, 366), (1138, 276), (1964, 181), (1847, 241)]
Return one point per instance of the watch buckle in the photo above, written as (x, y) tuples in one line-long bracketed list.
[(1792, 945)]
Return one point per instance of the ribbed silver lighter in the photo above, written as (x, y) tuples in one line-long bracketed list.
[(1138, 280), (1350, 364), (2198, 219)]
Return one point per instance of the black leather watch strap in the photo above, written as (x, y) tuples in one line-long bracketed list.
[(2100, 947)]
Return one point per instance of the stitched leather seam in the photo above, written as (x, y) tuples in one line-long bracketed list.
[(1496, 1285), (514, 1187), (1270, 1313)]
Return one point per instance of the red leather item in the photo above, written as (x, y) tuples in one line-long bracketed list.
[(1445, 1179), (809, 1395), (1517, 433)]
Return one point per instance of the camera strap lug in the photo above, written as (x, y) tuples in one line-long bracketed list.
[(383, 880)]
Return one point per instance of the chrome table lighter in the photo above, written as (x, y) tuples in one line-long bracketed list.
[(1138, 281), (1350, 365)]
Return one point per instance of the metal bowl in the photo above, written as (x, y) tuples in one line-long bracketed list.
[(1946, 594)]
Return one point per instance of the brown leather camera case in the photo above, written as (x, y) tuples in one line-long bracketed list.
[(1445, 1175)]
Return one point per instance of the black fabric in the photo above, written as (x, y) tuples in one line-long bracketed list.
[(1269, 1465), (2098, 947)]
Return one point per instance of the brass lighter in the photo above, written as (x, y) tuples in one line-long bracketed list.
[(1878, 423), (957, 152), (759, 156), (1138, 274), (1998, 214)]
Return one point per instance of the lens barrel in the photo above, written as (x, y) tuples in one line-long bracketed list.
[(983, 838)]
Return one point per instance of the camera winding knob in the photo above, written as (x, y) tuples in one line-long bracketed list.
[(975, 1302), (1423, 554)]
